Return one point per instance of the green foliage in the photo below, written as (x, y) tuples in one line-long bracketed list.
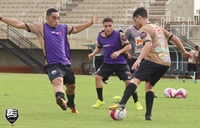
[(198, 11), (32, 95)]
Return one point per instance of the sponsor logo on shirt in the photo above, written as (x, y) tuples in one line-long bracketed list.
[(156, 29), (57, 33), (143, 35), (164, 57), (138, 41), (161, 49), (108, 45)]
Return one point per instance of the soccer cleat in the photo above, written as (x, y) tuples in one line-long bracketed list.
[(98, 104), (195, 81), (138, 106), (62, 103), (73, 109), (117, 106), (149, 118), (183, 79), (155, 96)]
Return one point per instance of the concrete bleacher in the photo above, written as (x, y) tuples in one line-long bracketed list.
[(31, 10)]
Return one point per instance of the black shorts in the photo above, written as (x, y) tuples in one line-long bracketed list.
[(58, 70), (121, 70), (150, 72), (130, 63), (98, 61), (192, 67)]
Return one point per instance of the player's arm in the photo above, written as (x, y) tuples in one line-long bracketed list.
[(80, 27), (125, 46), (14, 23), (147, 42), (30, 27), (177, 42), (97, 50)]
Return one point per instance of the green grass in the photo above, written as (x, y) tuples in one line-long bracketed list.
[(32, 95)]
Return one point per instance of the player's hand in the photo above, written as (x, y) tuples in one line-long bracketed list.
[(90, 56), (114, 55), (129, 56), (187, 55), (136, 64), (95, 17)]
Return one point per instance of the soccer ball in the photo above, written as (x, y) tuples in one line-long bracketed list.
[(170, 92), (181, 93), (118, 114)]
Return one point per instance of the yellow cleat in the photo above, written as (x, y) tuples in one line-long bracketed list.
[(117, 97), (98, 104), (114, 107), (138, 106)]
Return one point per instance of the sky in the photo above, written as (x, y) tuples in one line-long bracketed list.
[(196, 5)]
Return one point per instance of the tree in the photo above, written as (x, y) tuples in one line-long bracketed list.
[(198, 11)]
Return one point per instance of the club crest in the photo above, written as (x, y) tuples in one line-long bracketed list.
[(11, 115)]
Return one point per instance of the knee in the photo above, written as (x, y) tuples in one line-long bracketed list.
[(71, 87), (148, 87), (57, 81), (98, 78), (126, 82)]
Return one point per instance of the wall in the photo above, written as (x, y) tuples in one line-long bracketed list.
[(9, 63), (181, 8)]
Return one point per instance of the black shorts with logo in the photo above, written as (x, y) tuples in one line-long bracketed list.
[(121, 70), (150, 72), (59, 70)]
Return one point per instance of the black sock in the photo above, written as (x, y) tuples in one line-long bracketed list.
[(149, 102), (99, 93), (71, 99), (186, 75), (130, 89), (196, 76), (135, 97), (60, 94)]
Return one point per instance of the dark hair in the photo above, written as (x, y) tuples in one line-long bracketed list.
[(196, 47), (108, 19), (141, 11), (50, 10)]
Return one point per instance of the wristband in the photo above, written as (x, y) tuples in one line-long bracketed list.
[(1, 18)]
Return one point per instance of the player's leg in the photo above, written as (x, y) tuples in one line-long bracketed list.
[(149, 98), (195, 69), (103, 72), (98, 62), (186, 72), (135, 98), (155, 76), (129, 90), (69, 81), (130, 63), (55, 74)]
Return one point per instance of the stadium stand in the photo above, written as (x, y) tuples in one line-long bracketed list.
[(79, 11)]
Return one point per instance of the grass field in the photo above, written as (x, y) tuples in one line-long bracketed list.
[(32, 95)]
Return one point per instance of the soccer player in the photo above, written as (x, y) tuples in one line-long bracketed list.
[(133, 36), (192, 64), (54, 42), (114, 44), (156, 63)]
